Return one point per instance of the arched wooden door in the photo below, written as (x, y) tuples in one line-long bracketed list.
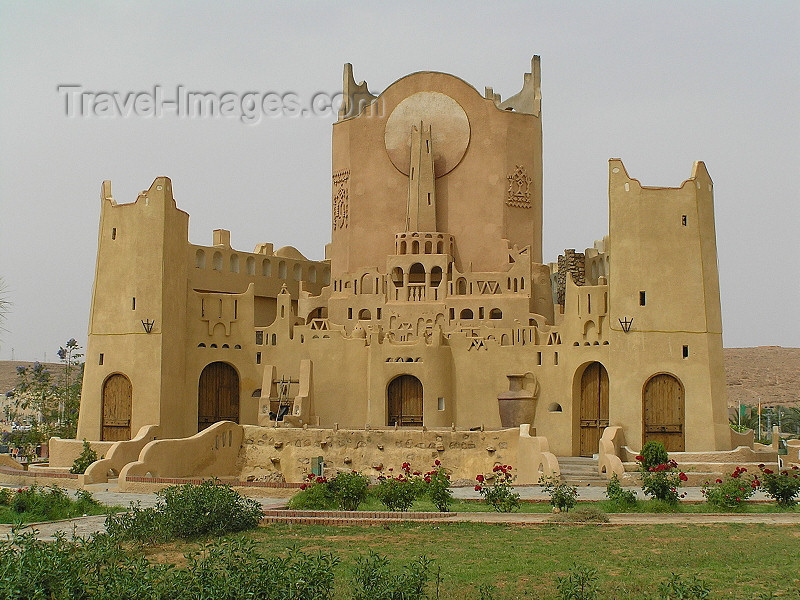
[(405, 401), (593, 407), (217, 395), (664, 412), (117, 395)]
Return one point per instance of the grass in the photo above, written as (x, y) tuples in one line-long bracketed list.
[(542, 506), (735, 560), (36, 505)]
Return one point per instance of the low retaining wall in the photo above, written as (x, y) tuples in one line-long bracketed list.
[(286, 454), (40, 478), (64, 452)]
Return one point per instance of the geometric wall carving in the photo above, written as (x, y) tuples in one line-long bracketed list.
[(519, 188), (341, 204)]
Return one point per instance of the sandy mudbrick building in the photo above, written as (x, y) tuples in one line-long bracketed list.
[(433, 323)]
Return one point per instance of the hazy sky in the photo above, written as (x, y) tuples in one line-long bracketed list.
[(659, 85)]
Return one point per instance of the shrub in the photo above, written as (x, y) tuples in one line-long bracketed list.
[(653, 453), (85, 458), (373, 579), (618, 494), (562, 496), (783, 487), (438, 487), (5, 496), (99, 567), (399, 492), (662, 479), (314, 494), (497, 489), (188, 511), (679, 589), (731, 491), (349, 489), (580, 584)]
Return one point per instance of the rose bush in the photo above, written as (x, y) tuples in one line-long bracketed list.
[(731, 491), (497, 489)]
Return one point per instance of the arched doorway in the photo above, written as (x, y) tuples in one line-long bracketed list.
[(593, 407), (117, 395), (663, 410), (405, 401), (217, 395)]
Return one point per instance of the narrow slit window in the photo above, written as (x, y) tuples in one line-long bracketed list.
[(539, 359), (441, 404), (133, 303), (258, 358), (378, 313), (686, 352), (235, 309), (349, 313), (555, 358), (113, 233), (642, 298), (100, 362), (683, 220)]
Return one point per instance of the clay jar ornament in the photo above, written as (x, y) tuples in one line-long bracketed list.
[(518, 404)]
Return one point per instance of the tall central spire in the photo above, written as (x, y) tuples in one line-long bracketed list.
[(421, 210)]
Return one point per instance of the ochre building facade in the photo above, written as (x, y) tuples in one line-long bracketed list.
[(433, 305)]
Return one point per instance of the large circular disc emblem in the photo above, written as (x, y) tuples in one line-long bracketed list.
[(449, 125)]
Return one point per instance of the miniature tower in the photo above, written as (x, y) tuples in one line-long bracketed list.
[(421, 182)]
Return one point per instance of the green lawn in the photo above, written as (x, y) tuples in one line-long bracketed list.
[(642, 506), (736, 561)]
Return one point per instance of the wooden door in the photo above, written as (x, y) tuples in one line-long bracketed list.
[(217, 395), (594, 408), (405, 401), (117, 395), (664, 412)]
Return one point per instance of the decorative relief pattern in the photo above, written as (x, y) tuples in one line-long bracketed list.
[(341, 204), (519, 188)]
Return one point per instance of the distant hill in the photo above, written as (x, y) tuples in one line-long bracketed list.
[(771, 373)]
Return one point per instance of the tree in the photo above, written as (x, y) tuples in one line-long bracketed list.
[(54, 399)]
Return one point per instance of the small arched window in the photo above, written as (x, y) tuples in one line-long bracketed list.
[(467, 314), (495, 313)]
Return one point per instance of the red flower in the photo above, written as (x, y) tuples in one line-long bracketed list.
[(477, 488), (437, 462), (683, 477), (719, 480), (639, 457), (379, 467), (761, 466), (427, 479), (479, 478), (303, 486), (320, 480), (768, 471)]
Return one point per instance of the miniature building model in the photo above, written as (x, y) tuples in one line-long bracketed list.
[(433, 305)]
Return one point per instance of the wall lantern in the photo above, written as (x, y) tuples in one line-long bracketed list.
[(148, 325), (626, 323)]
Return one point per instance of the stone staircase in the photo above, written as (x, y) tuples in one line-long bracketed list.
[(580, 471)]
